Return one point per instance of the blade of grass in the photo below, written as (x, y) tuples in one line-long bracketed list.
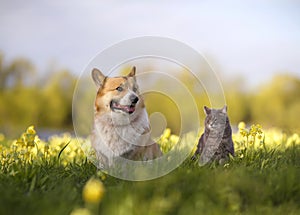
[(61, 151)]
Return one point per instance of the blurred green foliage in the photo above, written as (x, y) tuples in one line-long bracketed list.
[(26, 99), (275, 103)]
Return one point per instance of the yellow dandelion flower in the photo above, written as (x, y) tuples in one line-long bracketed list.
[(93, 191)]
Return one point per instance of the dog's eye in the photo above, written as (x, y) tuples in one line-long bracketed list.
[(120, 89)]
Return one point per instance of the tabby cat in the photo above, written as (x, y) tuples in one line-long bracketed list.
[(216, 142)]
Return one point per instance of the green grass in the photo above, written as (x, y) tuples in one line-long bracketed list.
[(256, 181)]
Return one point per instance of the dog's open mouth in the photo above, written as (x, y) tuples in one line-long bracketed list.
[(126, 108)]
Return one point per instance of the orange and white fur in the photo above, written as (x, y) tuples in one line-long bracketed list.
[(121, 124)]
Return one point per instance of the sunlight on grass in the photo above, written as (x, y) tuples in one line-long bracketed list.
[(34, 166)]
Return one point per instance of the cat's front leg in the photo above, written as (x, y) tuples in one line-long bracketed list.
[(200, 148)]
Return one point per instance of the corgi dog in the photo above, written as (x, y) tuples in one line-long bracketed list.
[(121, 124)]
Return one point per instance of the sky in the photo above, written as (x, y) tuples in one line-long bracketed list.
[(250, 39)]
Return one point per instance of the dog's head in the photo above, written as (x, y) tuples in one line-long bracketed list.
[(117, 94)]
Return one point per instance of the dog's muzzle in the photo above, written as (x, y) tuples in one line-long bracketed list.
[(114, 105)]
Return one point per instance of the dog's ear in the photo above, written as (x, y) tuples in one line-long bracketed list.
[(132, 72), (224, 109), (98, 77), (207, 110)]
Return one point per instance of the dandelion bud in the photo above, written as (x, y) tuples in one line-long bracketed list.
[(242, 125), (30, 130), (93, 191)]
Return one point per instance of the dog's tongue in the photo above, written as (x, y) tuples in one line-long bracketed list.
[(129, 109), (126, 108)]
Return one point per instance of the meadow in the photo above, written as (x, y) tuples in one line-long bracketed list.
[(55, 177)]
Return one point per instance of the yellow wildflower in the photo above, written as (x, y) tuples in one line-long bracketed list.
[(93, 191), (174, 139), (244, 133), (30, 130), (242, 126), (166, 133)]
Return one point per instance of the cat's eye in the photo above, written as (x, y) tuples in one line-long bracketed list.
[(120, 89), (135, 89)]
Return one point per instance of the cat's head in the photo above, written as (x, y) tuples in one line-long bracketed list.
[(216, 119)]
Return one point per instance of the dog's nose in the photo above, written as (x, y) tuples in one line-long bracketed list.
[(134, 99)]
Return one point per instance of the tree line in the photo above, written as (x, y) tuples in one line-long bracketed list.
[(27, 98)]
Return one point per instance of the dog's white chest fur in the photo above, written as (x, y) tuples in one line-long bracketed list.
[(116, 134)]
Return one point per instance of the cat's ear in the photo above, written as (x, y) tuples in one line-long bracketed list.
[(224, 109), (98, 77), (207, 110)]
